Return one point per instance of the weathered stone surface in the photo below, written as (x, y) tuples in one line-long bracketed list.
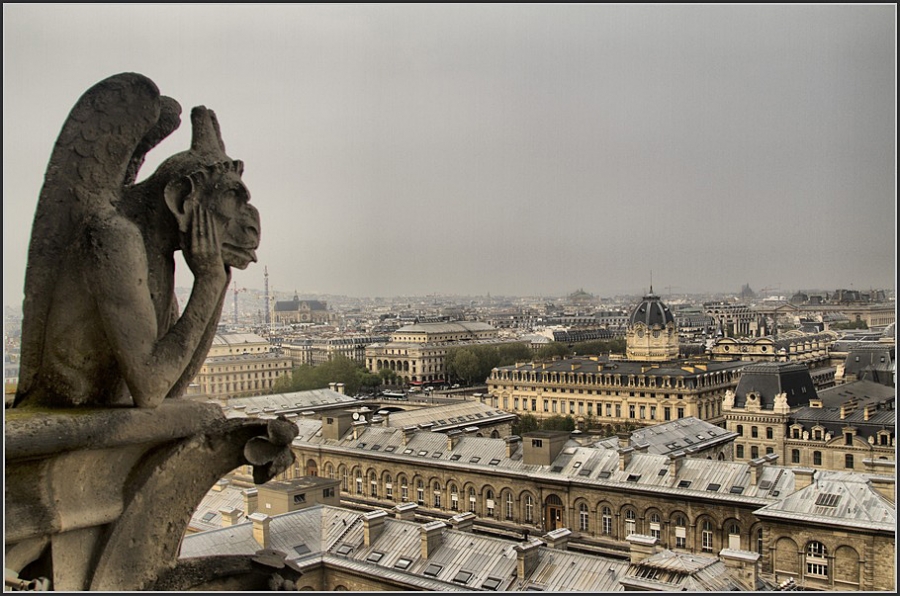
[(101, 325)]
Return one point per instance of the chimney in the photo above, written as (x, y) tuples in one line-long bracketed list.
[(676, 460), (641, 447), (625, 454), (261, 528), (512, 444), (431, 534), (230, 516), (385, 419), (453, 439), (803, 477), (558, 538), (251, 499), (335, 425), (358, 428), (373, 524), (885, 487), (757, 469), (743, 567), (641, 546), (339, 387), (408, 433), (527, 558), (624, 439), (848, 408), (406, 511), (220, 484), (869, 411), (332, 386), (464, 522)]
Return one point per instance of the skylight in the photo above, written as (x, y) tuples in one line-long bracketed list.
[(402, 563), (374, 557), (463, 577), (432, 570)]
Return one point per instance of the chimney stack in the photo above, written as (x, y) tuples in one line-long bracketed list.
[(373, 524), (526, 558), (251, 499), (641, 547), (676, 460), (431, 534), (743, 567), (406, 511), (358, 428), (339, 387), (230, 516), (558, 538), (625, 454), (261, 528), (756, 469), (408, 433), (624, 439), (512, 444), (464, 522), (803, 477), (453, 439)]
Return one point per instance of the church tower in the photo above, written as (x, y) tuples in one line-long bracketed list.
[(651, 335)]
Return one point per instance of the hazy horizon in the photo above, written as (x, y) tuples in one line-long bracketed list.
[(514, 150)]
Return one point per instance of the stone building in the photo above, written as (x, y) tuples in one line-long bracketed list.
[(318, 350), (775, 409), (615, 392), (301, 311), (546, 481), (416, 352), (651, 335), (239, 364)]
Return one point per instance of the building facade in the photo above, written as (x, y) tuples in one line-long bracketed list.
[(616, 393), (545, 482)]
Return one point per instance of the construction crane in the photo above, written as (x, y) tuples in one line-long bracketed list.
[(237, 290)]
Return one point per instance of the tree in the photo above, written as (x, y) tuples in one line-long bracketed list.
[(526, 423), (512, 353), (552, 350), (464, 365)]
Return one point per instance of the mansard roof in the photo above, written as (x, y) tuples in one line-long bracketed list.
[(768, 379)]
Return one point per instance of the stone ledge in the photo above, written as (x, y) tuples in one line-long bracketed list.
[(38, 432)]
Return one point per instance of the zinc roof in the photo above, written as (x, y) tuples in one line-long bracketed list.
[(836, 498)]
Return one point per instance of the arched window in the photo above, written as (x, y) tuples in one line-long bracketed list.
[(509, 506), (769, 432), (420, 492), (373, 485), (655, 526), (345, 481), (607, 521), (754, 432), (529, 509), (706, 536), (404, 489), (770, 450), (388, 487), (359, 482), (583, 517), (816, 561), (454, 498), (734, 536), (680, 531), (740, 430), (754, 452), (437, 495), (329, 470), (489, 503), (848, 461), (630, 522), (472, 499), (759, 541)]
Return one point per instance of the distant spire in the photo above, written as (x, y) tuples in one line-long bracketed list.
[(651, 281)]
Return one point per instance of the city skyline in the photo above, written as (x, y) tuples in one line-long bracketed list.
[(505, 150)]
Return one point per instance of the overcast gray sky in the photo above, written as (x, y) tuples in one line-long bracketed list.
[(505, 149)]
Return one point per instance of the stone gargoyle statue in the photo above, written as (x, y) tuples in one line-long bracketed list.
[(98, 492), (101, 324)]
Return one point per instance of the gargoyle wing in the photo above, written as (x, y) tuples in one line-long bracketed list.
[(98, 153)]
